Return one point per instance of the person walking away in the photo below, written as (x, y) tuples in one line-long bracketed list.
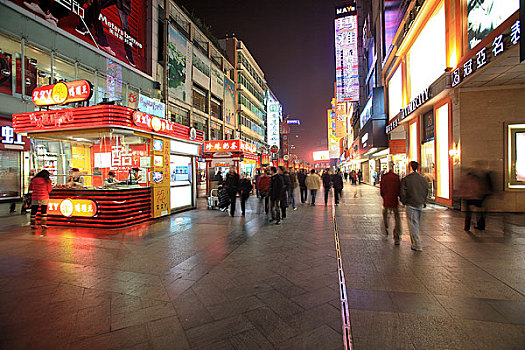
[(284, 197), (218, 178), (360, 176), (327, 184), (475, 187), (256, 178), (232, 187), (338, 186), (313, 184), (245, 189), (276, 192), (40, 187), (390, 187), (291, 191), (301, 177), (264, 190), (413, 194)]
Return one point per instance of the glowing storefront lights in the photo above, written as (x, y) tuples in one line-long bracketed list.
[(442, 152)]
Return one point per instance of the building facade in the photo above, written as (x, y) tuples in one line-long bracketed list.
[(251, 90)]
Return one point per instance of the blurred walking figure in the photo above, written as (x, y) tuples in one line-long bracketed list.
[(232, 187), (338, 185), (294, 183), (245, 189), (276, 193), (40, 187), (414, 192), (313, 183), (264, 189), (285, 196), (301, 177), (390, 189), (475, 187), (327, 184)]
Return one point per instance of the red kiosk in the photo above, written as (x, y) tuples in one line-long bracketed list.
[(153, 159)]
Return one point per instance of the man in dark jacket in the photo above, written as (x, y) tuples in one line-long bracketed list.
[(327, 184), (301, 177), (245, 189), (337, 180), (286, 188), (390, 187), (414, 192), (276, 193), (232, 187)]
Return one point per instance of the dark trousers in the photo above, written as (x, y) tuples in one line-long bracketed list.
[(233, 199), (480, 213), (326, 193), (338, 192), (43, 214), (313, 194), (304, 194), (266, 204), (243, 204), (283, 212)]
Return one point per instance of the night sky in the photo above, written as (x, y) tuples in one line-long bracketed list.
[(293, 43)]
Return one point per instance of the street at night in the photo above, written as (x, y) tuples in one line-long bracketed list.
[(219, 174)]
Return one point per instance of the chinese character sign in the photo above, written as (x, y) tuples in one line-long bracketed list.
[(333, 143), (274, 113), (346, 59), (229, 146)]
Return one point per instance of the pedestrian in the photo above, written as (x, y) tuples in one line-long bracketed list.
[(291, 191), (256, 178), (218, 178), (475, 187), (286, 188), (245, 189), (40, 187), (346, 176), (390, 187), (327, 184), (264, 189), (360, 176), (313, 183), (232, 187), (276, 192), (301, 177), (337, 180), (413, 194), (353, 177)]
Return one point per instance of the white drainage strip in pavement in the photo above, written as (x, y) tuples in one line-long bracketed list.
[(345, 314)]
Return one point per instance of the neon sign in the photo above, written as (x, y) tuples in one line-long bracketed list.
[(62, 93)]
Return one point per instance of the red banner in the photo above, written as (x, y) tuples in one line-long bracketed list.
[(265, 159), (115, 27), (229, 146)]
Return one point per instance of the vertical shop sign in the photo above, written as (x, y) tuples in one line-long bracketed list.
[(179, 65), (333, 144), (340, 120), (346, 56), (274, 113)]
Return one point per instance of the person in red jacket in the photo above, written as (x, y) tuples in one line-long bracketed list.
[(40, 187), (390, 189)]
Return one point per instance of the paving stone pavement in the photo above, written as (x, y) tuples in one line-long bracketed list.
[(203, 280)]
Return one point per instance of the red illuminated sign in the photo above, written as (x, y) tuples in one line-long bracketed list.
[(265, 159), (229, 146), (62, 93), (72, 207)]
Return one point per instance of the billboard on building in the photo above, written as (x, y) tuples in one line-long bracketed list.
[(346, 58), (201, 69), (115, 27), (229, 101), (394, 13), (217, 82), (340, 120), (486, 15), (274, 113), (333, 141), (179, 63), (321, 156)]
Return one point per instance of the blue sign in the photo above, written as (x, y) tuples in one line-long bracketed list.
[(293, 122), (152, 107)]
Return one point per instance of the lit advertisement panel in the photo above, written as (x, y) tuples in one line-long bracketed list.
[(340, 120), (486, 15), (333, 142), (274, 112), (179, 65), (115, 27), (520, 157), (320, 156), (394, 12), (346, 59)]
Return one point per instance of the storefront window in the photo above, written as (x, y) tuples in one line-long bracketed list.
[(201, 124), (200, 99), (9, 52), (427, 152), (216, 108), (516, 156), (216, 131), (395, 94), (427, 56), (37, 69), (442, 156), (63, 69), (181, 179), (10, 174), (179, 115), (89, 75), (229, 134)]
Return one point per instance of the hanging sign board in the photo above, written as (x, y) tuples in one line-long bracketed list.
[(62, 93)]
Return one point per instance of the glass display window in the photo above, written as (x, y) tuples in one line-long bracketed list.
[(9, 52), (10, 174), (63, 69), (515, 173), (428, 166), (37, 69), (181, 181)]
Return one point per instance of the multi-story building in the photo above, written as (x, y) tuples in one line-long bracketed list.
[(250, 92), (455, 91)]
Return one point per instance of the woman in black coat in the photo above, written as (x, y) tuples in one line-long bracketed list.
[(337, 180), (245, 189)]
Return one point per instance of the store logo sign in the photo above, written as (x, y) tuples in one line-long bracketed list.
[(151, 106), (417, 102), (346, 10), (62, 93), (72, 207)]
